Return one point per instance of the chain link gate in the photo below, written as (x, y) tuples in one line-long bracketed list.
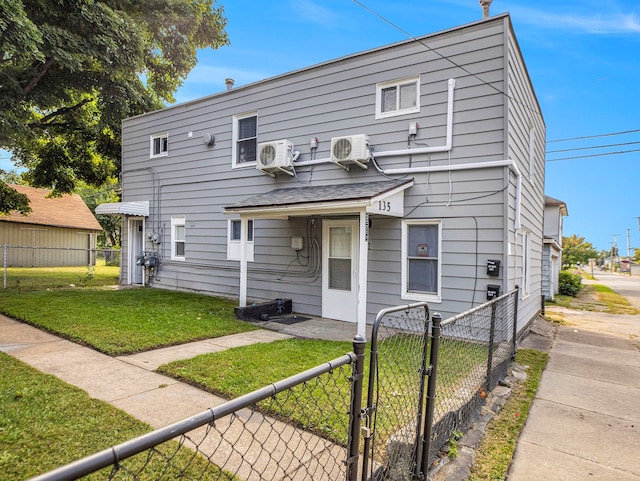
[(392, 421), (402, 426)]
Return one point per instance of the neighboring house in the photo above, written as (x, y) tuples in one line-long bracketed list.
[(554, 211), (59, 231), (411, 172)]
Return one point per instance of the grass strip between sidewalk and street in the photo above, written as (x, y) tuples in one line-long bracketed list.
[(495, 452), (124, 321), (46, 423)]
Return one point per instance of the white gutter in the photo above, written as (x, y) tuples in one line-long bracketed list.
[(477, 165)]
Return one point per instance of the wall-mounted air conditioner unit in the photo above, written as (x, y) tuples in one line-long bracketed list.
[(352, 149), (274, 157)]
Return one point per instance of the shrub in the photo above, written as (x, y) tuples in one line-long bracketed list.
[(569, 284)]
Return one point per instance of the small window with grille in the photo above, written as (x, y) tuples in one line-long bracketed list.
[(398, 97)]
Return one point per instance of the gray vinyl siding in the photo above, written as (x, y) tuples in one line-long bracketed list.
[(523, 113), (475, 207)]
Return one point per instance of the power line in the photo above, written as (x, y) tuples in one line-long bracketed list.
[(593, 147), (594, 155), (444, 57), (594, 136)]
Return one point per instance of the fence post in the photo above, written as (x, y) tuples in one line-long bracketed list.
[(436, 319), (492, 335), (424, 372), (515, 321), (359, 344)]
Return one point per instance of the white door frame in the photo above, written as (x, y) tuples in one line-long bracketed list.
[(137, 245), (341, 304)]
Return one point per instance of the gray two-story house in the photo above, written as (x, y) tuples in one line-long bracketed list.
[(410, 172), (554, 211)]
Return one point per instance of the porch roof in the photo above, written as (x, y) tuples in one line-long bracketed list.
[(317, 199), (139, 208)]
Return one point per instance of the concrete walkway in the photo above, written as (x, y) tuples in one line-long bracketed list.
[(128, 383), (585, 419)]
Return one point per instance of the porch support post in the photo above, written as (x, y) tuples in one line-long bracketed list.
[(244, 227), (363, 259)]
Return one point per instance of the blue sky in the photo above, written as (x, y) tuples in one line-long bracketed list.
[(583, 58)]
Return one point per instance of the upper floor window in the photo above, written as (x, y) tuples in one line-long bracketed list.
[(159, 145), (421, 260), (398, 97), (245, 139), (178, 237)]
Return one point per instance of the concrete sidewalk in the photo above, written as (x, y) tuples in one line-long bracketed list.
[(126, 382), (585, 419)]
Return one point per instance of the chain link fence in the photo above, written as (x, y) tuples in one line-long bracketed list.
[(317, 425), (32, 268), (393, 419), (295, 429), (474, 353)]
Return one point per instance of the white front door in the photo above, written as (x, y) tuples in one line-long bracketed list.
[(136, 246), (340, 269)]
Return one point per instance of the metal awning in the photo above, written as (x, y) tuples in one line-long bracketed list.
[(384, 198), (137, 208)]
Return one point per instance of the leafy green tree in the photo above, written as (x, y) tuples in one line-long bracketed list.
[(71, 70), (111, 224), (10, 199), (576, 249)]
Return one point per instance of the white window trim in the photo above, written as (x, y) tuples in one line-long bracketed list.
[(416, 296), (158, 136), (177, 221), (397, 83), (234, 143), (234, 245)]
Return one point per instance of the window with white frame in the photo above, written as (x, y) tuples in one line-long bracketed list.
[(245, 139), (398, 97), (178, 237), (421, 260), (159, 145), (235, 238)]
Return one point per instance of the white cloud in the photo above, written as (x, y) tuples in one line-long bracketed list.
[(313, 12), (598, 23)]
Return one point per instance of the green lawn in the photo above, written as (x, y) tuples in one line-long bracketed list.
[(32, 278), (46, 423), (495, 452), (234, 372), (124, 321)]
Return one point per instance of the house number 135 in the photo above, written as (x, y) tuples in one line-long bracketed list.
[(384, 206)]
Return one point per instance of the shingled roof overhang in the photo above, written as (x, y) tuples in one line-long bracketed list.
[(326, 199)]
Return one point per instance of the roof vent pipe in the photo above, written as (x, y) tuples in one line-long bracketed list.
[(485, 7), (229, 83)]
